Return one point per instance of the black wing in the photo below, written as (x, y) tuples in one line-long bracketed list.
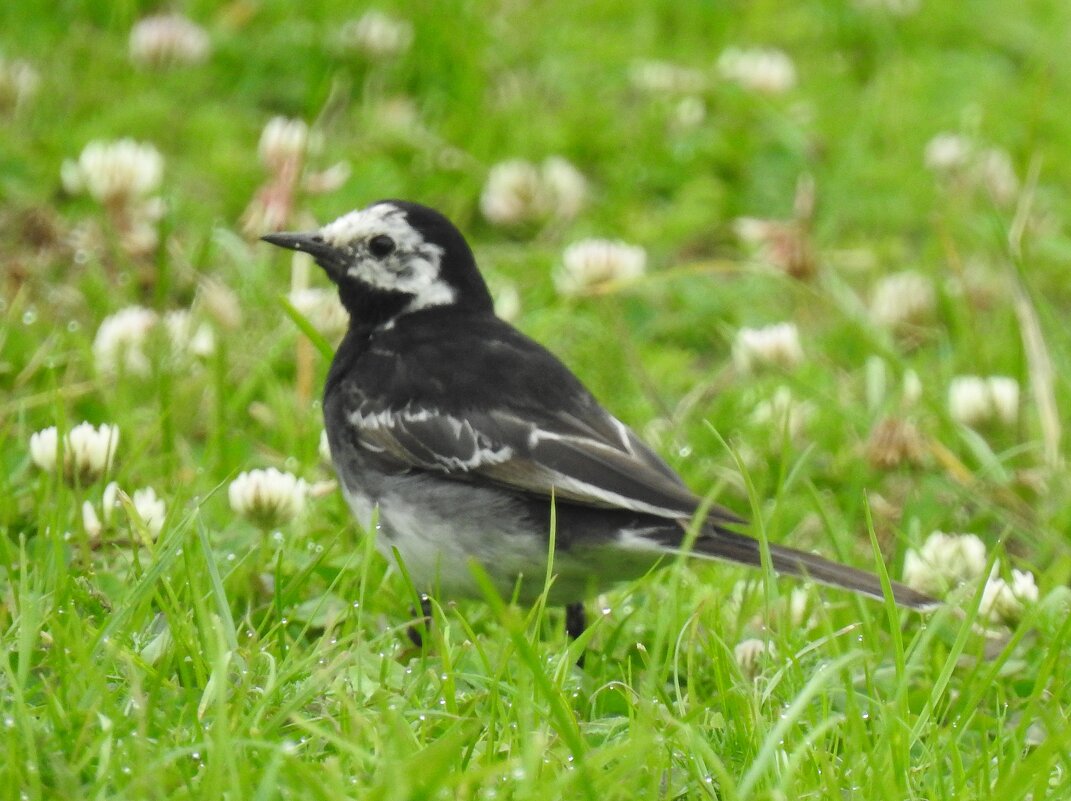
[(591, 459)]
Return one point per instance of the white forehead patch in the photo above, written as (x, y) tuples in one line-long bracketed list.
[(413, 267), (363, 224)]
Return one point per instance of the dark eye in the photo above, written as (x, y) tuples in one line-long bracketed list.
[(380, 246)]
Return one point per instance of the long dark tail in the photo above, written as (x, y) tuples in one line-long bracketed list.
[(733, 547)]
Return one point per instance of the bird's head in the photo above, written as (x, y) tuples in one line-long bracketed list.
[(391, 258)]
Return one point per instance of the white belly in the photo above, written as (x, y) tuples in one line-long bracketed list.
[(438, 545)]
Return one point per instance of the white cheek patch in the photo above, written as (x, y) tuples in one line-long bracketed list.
[(414, 266)]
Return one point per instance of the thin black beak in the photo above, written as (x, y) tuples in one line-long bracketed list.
[(327, 256)]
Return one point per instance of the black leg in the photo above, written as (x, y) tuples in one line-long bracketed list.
[(416, 630), (575, 620), (575, 623)]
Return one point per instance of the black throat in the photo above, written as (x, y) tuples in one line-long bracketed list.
[(370, 308)]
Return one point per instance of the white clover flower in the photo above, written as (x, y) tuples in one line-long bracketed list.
[(688, 113), (912, 387), (137, 226), (665, 77), (88, 452), (975, 401), (90, 520), (378, 35), (268, 497), (943, 562), (323, 309), (590, 263), (1005, 603), (800, 608), (969, 401), (990, 168), (894, 442), (283, 143), (513, 194), (566, 187), (948, 153), (507, 300), (189, 338), (904, 298), (993, 170), (166, 39), (327, 180), (783, 414), (151, 509), (119, 346), (774, 345), (18, 83), (221, 303), (44, 446), (115, 173), (764, 70), (750, 653), (783, 244), (1004, 392), (110, 501), (519, 192)]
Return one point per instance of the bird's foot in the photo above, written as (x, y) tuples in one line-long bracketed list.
[(422, 625), (576, 622)]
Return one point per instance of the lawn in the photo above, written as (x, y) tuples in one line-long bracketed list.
[(842, 315)]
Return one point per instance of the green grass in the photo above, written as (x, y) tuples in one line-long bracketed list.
[(218, 661)]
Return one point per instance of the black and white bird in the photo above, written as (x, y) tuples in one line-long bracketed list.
[(463, 433)]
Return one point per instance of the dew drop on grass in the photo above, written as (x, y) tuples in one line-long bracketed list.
[(29, 317), (73, 326), (232, 556)]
